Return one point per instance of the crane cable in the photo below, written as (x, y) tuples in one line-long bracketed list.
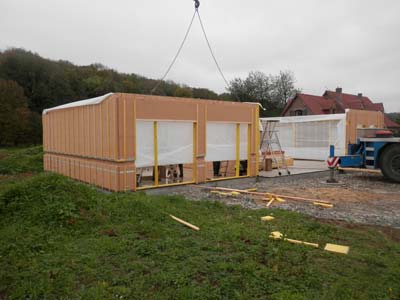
[(176, 55), (196, 12)]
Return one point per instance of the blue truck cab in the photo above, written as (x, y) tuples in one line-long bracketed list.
[(375, 149)]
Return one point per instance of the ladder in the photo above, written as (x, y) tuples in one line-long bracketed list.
[(271, 144)]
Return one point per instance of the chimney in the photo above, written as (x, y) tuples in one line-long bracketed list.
[(339, 96), (359, 95)]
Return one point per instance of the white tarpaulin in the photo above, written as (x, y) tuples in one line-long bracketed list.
[(221, 141), (309, 137), (144, 144), (175, 143)]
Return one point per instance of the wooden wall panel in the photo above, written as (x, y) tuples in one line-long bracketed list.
[(361, 118), (158, 108)]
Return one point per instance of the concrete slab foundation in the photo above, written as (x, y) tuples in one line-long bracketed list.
[(299, 167)]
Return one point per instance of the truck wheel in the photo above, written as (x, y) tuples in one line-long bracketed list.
[(390, 162)]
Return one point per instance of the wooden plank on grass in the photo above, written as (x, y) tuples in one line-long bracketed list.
[(185, 223)]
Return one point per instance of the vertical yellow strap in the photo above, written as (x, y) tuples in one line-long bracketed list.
[(194, 166), (248, 148), (237, 150), (155, 155), (257, 125)]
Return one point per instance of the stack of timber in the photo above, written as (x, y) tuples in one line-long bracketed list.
[(289, 162), (267, 161)]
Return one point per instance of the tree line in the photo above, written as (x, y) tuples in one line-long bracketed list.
[(30, 83)]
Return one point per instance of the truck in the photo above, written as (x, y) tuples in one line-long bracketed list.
[(375, 149)]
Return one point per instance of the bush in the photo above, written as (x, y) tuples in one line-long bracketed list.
[(47, 199)]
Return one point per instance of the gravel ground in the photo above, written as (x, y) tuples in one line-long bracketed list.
[(358, 198)]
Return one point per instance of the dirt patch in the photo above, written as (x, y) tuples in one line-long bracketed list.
[(390, 232), (335, 194), (357, 198)]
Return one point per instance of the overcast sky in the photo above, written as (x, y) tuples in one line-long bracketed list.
[(354, 44)]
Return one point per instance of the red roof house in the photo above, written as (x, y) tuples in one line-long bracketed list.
[(332, 102)]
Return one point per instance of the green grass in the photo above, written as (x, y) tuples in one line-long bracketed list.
[(21, 160), (64, 240)]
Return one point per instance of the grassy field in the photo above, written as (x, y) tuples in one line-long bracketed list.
[(65, 240)]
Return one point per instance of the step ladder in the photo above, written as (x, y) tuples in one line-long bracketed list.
[(370, 156), (271, 144)]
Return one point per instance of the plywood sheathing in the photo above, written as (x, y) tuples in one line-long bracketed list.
[(361, 118), (96, 143)]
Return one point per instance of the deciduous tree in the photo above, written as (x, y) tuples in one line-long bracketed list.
[(14, 113)]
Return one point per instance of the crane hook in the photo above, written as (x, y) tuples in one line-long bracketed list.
[(196, 4)]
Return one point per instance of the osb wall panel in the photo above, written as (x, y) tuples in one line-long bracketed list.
[(78, 139), (361, 118)]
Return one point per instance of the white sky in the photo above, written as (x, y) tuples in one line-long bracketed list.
[(354, 44)]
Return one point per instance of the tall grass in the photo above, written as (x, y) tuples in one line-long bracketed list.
[(21, 160)]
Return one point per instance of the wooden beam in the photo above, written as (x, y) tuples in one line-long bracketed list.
[(360, 170), (263, 194), (185, 223)]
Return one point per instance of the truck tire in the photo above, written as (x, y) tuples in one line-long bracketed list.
[(390, 162)]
